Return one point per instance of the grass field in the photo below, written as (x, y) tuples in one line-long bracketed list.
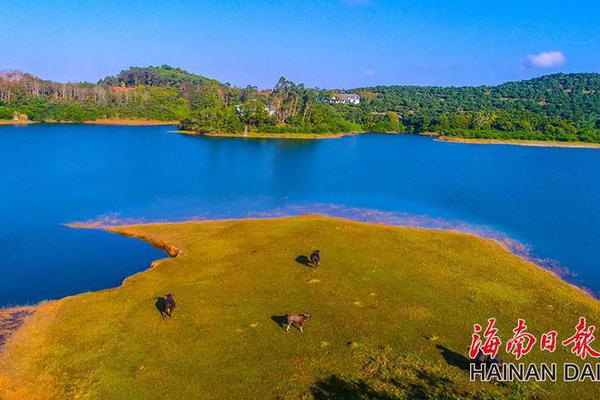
[(392, 310)]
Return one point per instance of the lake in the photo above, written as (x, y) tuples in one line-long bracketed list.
[(545, 198)]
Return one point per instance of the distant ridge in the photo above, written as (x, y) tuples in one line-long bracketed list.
[(12, 76), (164, 75), (566, 79)]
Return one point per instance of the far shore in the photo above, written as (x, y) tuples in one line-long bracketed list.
[(15, 122), (516, 142), (307, 135), (106, 121), (435, 135), (131, 122), (271, 135)]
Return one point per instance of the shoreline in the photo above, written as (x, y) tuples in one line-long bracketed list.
[(372, 288), (310, 136), (270, 135), (512, 246), (130, 122), (518, 142), (107, 121), (11, 319), (16, 122), (433, 135)]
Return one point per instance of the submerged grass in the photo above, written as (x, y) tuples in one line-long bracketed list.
[(392, 310)]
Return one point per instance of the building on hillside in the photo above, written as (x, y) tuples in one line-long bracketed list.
[(345, 98), (269, 109), (121, 89), (20, 117)]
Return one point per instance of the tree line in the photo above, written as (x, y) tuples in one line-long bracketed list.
[(563, 107)]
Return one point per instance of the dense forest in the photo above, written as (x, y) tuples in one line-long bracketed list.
[(564, 107)]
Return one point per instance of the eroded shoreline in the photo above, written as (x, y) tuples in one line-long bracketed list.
[(11, 319)]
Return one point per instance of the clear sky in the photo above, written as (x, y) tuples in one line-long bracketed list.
[(325, 43)]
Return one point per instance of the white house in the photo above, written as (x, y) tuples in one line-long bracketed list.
[(267, 107), (345, 98), (270, 110)]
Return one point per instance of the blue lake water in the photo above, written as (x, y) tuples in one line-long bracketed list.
[(546, 198)]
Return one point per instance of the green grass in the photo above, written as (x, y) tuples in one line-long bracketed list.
[(392, 315)]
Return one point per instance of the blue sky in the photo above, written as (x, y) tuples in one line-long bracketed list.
[(327, 43)]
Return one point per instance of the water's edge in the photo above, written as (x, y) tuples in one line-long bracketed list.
[(11, 319), (370, 216)]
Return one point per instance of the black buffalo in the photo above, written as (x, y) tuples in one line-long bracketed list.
[(169, 304), (315, 258)]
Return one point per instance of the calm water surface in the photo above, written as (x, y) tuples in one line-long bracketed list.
[(546, 198)]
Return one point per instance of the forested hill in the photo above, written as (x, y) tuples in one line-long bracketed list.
[(564, 107), (574, 97), (157, 76), (161, 93)]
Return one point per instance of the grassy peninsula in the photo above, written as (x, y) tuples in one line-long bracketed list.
[(392, 310)]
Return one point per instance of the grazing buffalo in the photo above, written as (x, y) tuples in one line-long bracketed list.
[(496, 360), (315, 258), (169, 304), (297, 320), (481, 358)]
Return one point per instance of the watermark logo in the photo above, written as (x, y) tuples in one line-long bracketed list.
[(582, 340), (486, 364)]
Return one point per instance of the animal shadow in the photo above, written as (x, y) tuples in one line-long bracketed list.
[(303, 260), (161, 306), (280, 320), (454, 358), (336, 388)]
